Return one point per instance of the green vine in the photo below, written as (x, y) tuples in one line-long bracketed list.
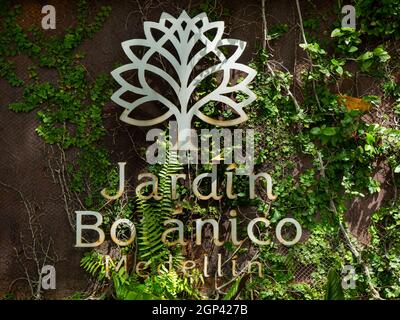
[(321, 153)]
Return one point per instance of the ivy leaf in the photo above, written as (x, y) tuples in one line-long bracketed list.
[(315, 131), (336, 62), (376, 100), (369, 148), (382, 54), (336, 33), (329, 131), (397, 169), (366, 65), (379, 51), (353, 49), (313, 47), (369, 138), (365, 56)]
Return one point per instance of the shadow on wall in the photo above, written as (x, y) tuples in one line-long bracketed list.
[(361, 209)]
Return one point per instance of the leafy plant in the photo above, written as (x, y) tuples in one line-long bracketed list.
[(93, 263), (379, 18), (318, 152), (153, 213), (334, 289)]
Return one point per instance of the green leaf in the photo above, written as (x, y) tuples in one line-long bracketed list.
[(315, 131), (312, 47), (336, 33), (379, 51), (334, 290), (369, 148), (384, 58), (236, 288), (138, 295), (376, 100), (366, 65), (381, 54), (329, 131), (365, 56), (369, 138), (233, 290), (353, 49), (397, 169), (336, 62)]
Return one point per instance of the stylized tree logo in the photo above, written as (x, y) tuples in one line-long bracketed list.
[(189, 42)]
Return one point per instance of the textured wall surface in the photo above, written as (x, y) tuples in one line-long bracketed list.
[(28, 191)]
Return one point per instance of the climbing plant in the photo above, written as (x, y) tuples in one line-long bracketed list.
[(322, 145)]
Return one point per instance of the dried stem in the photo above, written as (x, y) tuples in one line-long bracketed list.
[(35, 251)]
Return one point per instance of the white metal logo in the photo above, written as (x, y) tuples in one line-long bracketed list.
[(186, 35)]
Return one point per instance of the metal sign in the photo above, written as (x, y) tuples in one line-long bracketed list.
[(186, 35)]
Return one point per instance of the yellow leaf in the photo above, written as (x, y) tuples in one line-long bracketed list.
[(352, 103)]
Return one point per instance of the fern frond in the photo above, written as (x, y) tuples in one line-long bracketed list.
[(93, 263), (154, 213)]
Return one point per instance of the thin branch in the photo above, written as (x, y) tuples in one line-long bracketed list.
[(353, 249), (305, 42), (265, 27)]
